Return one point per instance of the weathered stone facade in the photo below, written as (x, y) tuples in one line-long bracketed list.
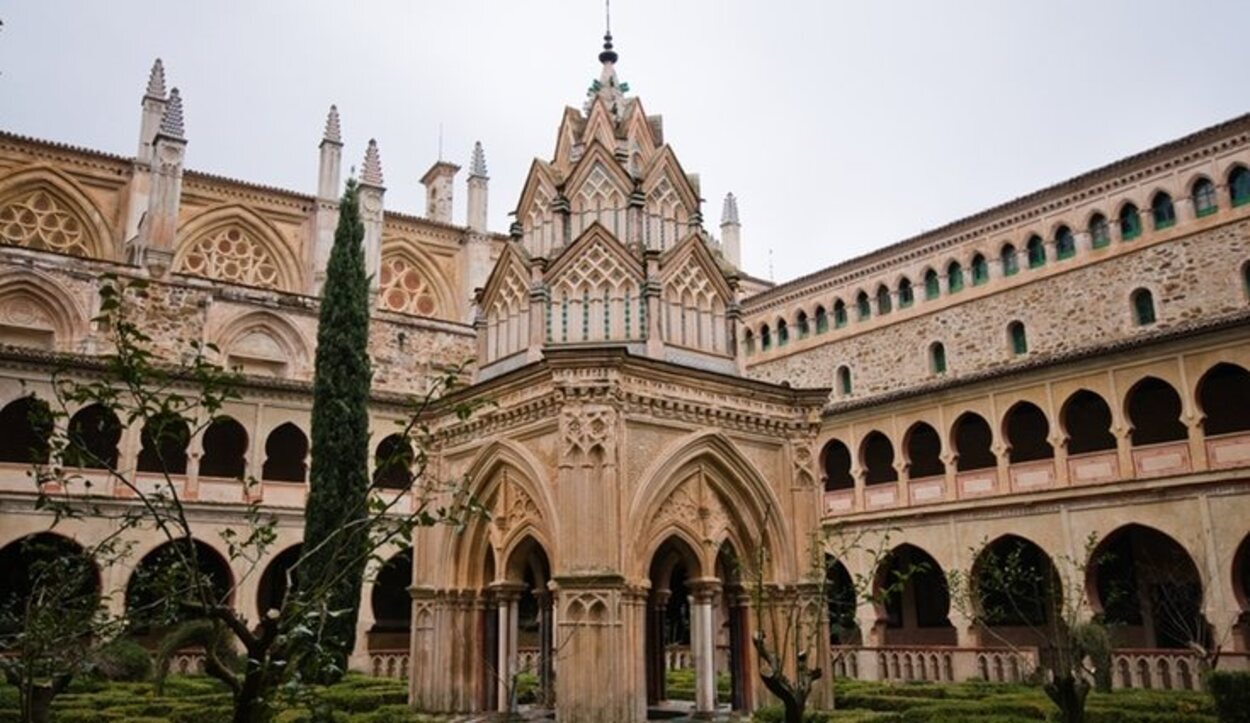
[(656, 417)]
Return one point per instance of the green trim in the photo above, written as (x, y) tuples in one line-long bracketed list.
[(1131, 235), (1165, 224), (1207, 211), (1100, 242)]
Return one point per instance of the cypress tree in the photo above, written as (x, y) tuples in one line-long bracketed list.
[(340, 446)]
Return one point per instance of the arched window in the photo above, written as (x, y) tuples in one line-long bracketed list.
[(766, 338), (1154, 412), (1016, 584), (884, 305), (877, 458), (1099, 231), (924, 452), (783, 333), (836, 459), (932, 288), (1130, 222), (1205, 203), (164, 439), (822, 320), (748, 341), (973, 441), (980, 270), (1239, 185), (1162, 211), (1087, 421), (225, 444), (1019, 340), (839, 314), (1026, 428), (906, 297), (1007, 257), (1036, 250), (25, 426), (93, 436), (804, 327), (393, 463), (863, 309), (844, 380), (1143, 307), (1065, 243), (937, 358), (286, 448), (1224, 395), (954, 277)]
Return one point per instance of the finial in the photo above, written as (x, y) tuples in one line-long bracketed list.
[(334, 133), (156, 81), (171, 122), (478, 165), (729, 212), (371, 172), (608, 55)]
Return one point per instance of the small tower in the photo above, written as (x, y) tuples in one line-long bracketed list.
[(326, 212), (372, 193), (155, 247), (731, 231), (153, 110), (439, 182), (476, 262), (478, 184)]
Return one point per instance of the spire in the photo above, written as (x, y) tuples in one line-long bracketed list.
[(156, 81), (371, 172), (608, 55), (334, 133), (171, 122), (478, 166), (729, 213)]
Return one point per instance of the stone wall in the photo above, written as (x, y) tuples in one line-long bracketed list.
[(268, 333), (1074, 308)]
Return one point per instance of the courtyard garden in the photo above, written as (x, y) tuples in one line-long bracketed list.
[(358, 699)]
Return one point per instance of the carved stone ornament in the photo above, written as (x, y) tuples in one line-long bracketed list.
[(588, 434)]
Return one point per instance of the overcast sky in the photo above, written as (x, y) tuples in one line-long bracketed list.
[(840, 126)]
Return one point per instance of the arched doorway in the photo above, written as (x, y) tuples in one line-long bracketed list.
[(162, 578), (276, 581), (1148, 588), (915, 607), (669, 620), (54, 567), (1017, 593), (392, 604), (520, 638)]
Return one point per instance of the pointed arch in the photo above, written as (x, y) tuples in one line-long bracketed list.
[(753, 507), (261, 342), (44, 208), (468, 549), (233, 243), (36, 310), (411, 281)]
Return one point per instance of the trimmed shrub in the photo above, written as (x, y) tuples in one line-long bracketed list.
[(122, 660), (1231, 691)]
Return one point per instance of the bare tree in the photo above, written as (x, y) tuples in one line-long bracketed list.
[(1047, 601), (174, 402), (792, 623)]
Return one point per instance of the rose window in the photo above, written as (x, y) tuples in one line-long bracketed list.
[(404, 289), (231, 254), (38, 221)]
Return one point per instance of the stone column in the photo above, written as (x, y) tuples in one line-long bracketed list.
[(155, 246), (326, 209), (657, 663), (546, 648), (703, 646), (651, 295), (359, 660), (372, 193), (507, 596)]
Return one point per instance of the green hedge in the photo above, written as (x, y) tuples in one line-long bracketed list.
[(1231, 691)]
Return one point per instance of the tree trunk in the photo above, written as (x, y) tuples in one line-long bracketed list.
[(794, 708), (36, 701), (1069, 693), (249, 702)]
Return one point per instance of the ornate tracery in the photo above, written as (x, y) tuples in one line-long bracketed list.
[(38, 219)]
